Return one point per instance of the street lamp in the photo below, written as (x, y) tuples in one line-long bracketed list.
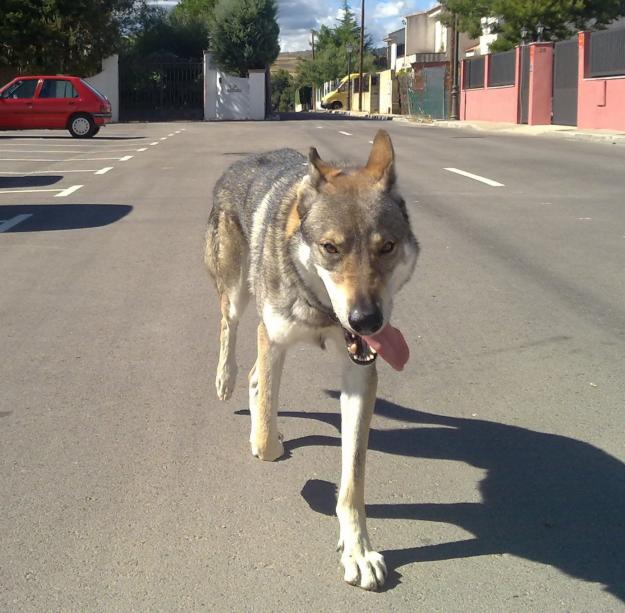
[(540, 28), (349, 48)]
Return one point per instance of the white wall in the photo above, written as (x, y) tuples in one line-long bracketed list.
[(232, 98), (107, 82)]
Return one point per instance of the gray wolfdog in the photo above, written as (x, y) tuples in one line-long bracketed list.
[(323, 248)]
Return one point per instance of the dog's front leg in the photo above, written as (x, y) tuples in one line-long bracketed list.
[(363, 566), (265, 439)]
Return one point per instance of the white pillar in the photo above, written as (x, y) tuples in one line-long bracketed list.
[(257, 94), (210, 88)]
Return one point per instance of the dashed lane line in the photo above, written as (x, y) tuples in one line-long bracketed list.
[(345, 133), (154, 143), (470, 175)]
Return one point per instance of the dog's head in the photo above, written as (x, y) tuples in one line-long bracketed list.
[(356, 236)]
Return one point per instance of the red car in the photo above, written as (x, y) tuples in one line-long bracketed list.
[(55, 103)]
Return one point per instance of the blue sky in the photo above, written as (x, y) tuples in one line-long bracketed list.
[(297, 17)]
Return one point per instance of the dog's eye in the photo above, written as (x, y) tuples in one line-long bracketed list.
[(330, 248), (387, 247)]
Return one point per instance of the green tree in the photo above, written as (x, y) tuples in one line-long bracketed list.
[(282, 91), (244, 35), (560, 18), (70, 36), (331, 57), (157, 32)]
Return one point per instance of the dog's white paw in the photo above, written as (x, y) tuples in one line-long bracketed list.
[(363, 567), (267, 448), (224, 382)]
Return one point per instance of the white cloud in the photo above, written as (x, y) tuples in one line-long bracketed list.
[(384, 10)]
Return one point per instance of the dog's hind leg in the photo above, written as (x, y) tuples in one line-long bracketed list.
[(265, 376), (226, 257), (363, 566)]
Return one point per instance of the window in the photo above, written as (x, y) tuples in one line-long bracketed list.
[(57, 88), (22, 89), (401, 50)]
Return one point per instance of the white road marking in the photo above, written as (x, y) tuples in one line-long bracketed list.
[(585, 218), (104, 170), (96, 150), (27, 191), (345, 133), (68, 191), (7, 224), (143, 149), (170, 134), (319, 127), (177, 131), (371, 142), (154, 143), (163, 138), (26, 173), (126, 158), (470, 175)]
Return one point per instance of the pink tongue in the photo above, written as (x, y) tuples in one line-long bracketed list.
[(391, 345)]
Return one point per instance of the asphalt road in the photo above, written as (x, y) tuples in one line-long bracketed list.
[(496, 475)]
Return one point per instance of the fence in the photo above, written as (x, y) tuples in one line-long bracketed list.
[(607, 53), (474, 73), (502, 69)]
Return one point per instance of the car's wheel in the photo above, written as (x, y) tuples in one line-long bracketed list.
[(96, 130), (337, 105), (81, 125)]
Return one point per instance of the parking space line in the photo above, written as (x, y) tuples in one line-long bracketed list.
[(123, 159), (470, 175), (170, 134), (154, 143), (27, 191), (126, 158), (97, 150), (345, 133), (163, 138), (26, 173), (68, 191), (103, 171), (143, 149), (7, 224)]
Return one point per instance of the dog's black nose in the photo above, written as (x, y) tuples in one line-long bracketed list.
[(366, 320)]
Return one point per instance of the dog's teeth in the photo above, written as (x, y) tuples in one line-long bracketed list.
[(353, 348), (372, 350)]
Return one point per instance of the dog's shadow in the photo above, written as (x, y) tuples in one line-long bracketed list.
[(546, 498)]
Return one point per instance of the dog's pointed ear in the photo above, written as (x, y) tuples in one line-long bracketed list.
[(381, 162), (318, 170)]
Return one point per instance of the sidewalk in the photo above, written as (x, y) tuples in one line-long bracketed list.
[(607, 136)]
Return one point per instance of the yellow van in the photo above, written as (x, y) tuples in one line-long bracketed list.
[(337, 99)]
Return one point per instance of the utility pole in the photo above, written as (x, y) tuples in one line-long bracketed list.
[(362, 50), (454, 72), (314, 87)]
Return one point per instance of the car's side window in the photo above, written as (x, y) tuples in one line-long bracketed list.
[(22, 89), (57, 88)]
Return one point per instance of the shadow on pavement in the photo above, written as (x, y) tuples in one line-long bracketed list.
[(29, 181), (44, 217), (312, 116), (547, 498), (9, 136)]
